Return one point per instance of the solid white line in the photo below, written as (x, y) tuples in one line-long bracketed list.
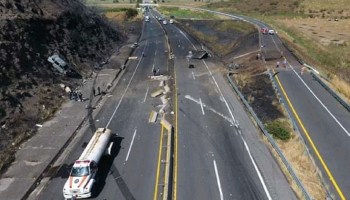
[(187, 39), (329, 112), (256, 169), (217, 86), (194, 78), (132, 141), (236, 124), (200, 101), (144, 100), (152, 67), (126, 89), (218, 180)]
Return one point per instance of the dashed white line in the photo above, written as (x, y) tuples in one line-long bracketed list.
[(132, 142), (126, 89), (194, 78), (256, 168), (218, 180), (144, 100), (236, 124), (200, 101)]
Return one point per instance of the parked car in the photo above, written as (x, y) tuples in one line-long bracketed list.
[(264, 30), (271, 32)]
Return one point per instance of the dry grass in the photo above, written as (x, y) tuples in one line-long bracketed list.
[(295, 152), (326, 8), (341, 86)]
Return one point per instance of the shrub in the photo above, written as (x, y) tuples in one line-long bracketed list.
[(278, 129)]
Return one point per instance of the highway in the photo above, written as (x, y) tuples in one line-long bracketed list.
[(131, 174), (324, 123), (218, 152), (215, 159)]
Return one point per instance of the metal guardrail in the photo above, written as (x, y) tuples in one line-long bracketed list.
[(331, 91), (271, 141), (295, 127)]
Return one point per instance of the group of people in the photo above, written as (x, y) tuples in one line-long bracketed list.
[(76, 95), (284, 63)]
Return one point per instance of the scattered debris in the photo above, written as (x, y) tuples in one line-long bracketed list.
[(157, 93), (153, 117)]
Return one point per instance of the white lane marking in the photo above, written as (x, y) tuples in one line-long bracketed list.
[(200, 101), (256, 168), (152, 67), (245, 54), (132, 142), (329, 112), (209, 108), (218, 180), (222, 96), (210, 73), (194, 78), (126, 89), (144, 100), (236, 124), (187, 39)]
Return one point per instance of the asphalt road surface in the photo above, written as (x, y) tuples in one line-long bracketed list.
[(218, 154), (324, 123), (130, 174), (214, 159)]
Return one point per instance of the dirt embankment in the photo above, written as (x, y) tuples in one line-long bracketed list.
[(30, 32), (222, 37)]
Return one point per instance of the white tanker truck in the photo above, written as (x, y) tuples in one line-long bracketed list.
[(82, 175)]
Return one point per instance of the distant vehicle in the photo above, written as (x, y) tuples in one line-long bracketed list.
[(160, 18), (264, 30), (82, 175), (171, 21), (271, 32), (134, 45), (165, 22), (147, 18)]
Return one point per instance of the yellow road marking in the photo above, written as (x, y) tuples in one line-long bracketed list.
[(175, 138), (155, 196), (311, 142)]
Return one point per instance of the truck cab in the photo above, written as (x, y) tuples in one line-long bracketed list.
[(81, 179)]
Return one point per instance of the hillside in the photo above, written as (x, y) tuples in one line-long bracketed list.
[(30, 32), (317, 30)]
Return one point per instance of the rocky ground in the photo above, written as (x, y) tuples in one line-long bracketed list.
[(30, 32)]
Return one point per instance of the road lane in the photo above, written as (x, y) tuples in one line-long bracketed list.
[(131, 174), (324, 133), (205, 138)]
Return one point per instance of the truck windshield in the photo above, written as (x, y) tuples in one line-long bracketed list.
[(80, 171)]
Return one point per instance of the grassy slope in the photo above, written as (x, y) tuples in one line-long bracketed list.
[(333, 59)]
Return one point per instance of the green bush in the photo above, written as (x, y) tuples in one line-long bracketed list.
[(278, 130)]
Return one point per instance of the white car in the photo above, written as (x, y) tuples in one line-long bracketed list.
[(171, 21), (165, 22), (271, 32)]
